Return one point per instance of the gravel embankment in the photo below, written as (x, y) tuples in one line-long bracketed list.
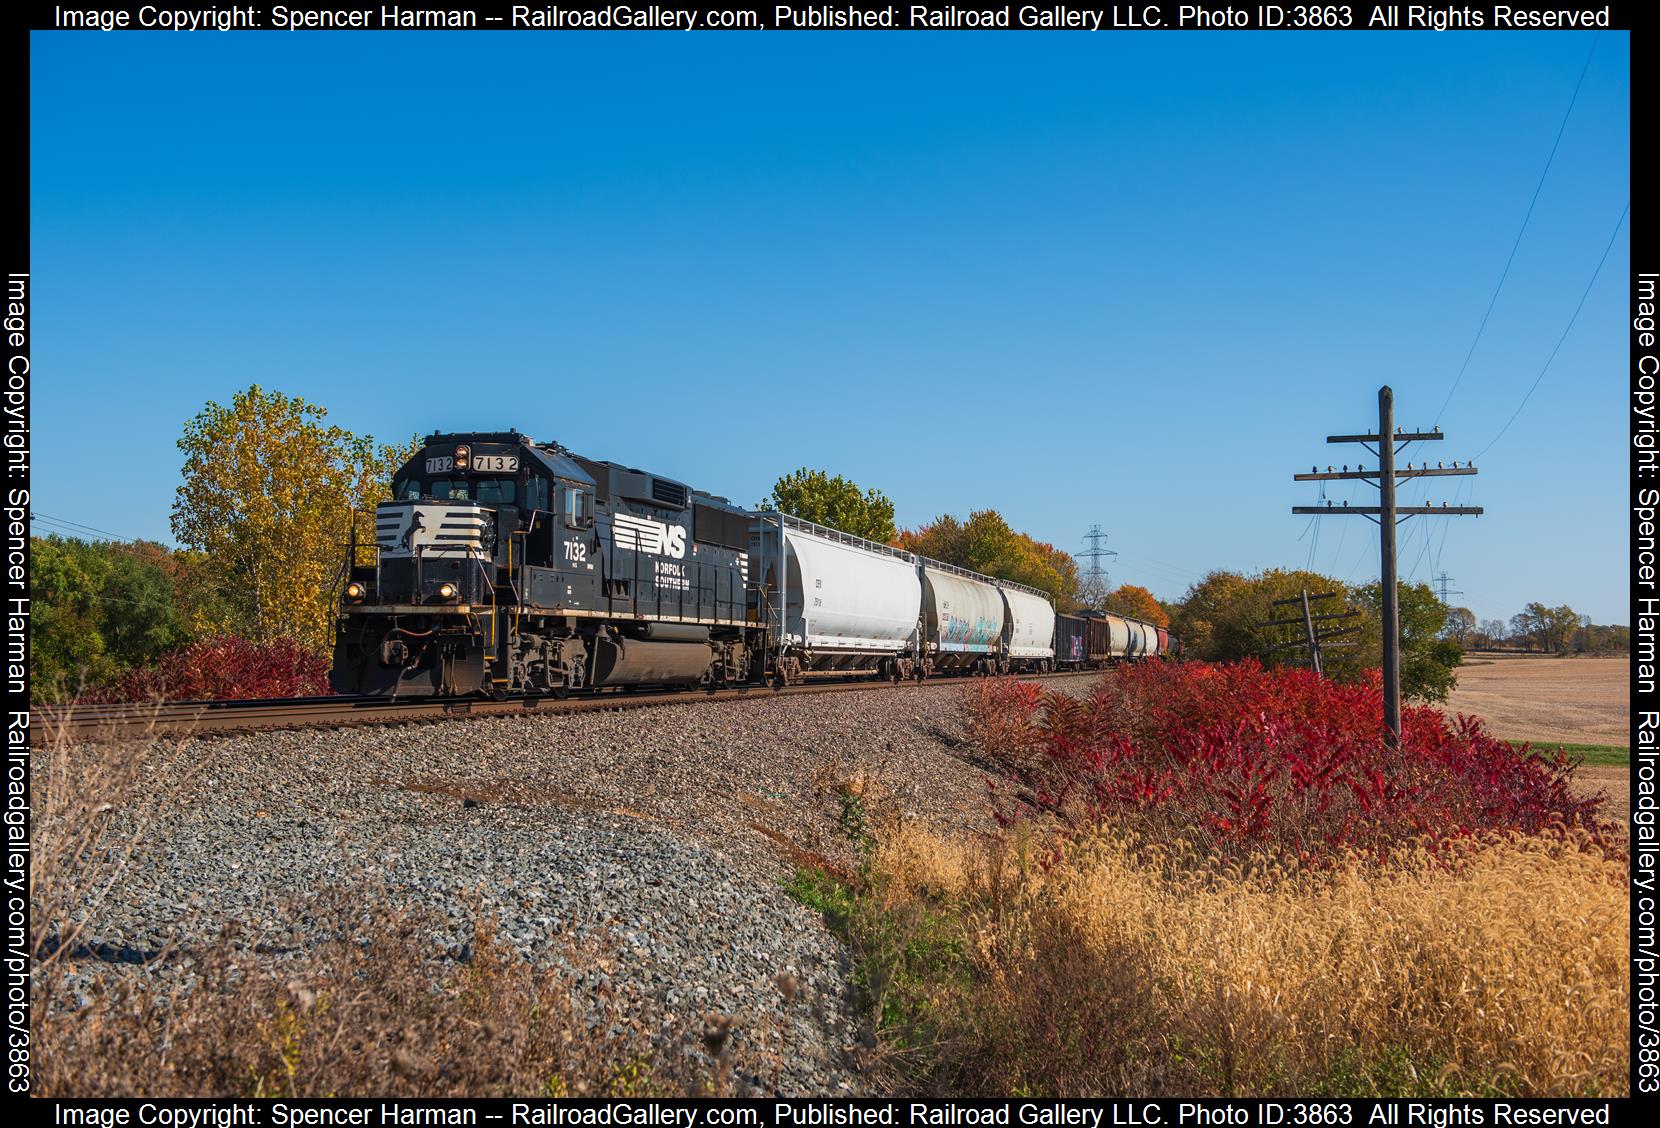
[(661, 835)]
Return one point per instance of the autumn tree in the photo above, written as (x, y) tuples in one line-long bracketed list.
[(1548, 628), (1221, 619), (985, 543), (816, 496), (1461, 625), (1138, 603), (269, 494), (1489, 632), (1210, 618)]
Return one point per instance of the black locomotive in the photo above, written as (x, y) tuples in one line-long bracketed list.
[(507, 566)]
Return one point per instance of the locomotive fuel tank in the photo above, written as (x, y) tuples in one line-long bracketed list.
[(964, 617), (642, 661)]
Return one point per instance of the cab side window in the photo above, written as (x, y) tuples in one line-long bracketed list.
[(579, 507)]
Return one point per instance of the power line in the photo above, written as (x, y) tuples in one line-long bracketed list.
[(74, 525), (1491, 302), (1565, 330)]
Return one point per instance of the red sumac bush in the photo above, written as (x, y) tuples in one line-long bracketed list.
[(1242, 759), (226, 669)]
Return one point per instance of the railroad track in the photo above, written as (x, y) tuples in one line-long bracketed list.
[(180, 718)]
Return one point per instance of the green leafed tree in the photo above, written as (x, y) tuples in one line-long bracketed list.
[(1221, 619), (816, 496), (269, 495), (66, 648), (99, 609), (1429, 660)]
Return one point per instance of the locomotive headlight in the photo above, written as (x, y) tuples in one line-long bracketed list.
[(446, 591), (463, 457), (354, 591)]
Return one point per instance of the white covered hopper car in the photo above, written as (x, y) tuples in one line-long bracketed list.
[(832, 602)]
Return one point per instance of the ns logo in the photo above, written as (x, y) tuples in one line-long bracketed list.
[(642, 534)]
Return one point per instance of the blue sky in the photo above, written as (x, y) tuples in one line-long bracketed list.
[(1132, 279)]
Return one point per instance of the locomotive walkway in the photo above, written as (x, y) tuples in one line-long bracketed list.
[(128, 720)]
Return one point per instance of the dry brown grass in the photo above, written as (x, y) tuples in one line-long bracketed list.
[(366, 1011), (1546, 700), (1500, 968)]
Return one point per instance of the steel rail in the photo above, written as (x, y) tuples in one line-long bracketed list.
[(124, 721)]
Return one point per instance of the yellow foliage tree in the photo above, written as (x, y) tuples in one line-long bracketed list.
[(986, 543), (268, 498), (1138, 603)]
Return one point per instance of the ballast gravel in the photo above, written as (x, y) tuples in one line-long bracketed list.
[(659, 836)]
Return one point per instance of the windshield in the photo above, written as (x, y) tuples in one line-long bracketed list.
[(490, 491)]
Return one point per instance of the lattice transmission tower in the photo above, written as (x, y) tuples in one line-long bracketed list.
[(1094, 585)]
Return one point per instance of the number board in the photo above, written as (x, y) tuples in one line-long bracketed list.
[(482, 464)]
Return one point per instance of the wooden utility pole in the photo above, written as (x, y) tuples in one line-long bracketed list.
[(1386, 444), (1313, 637)]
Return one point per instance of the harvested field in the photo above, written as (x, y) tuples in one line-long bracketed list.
[(1614, 782), (1555, 701), (1548, 700)]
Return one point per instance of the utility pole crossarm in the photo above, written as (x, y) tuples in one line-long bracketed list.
[(1399, 436), (1400, 510), (1297, 622), (1311, 595), (1345, 475)]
